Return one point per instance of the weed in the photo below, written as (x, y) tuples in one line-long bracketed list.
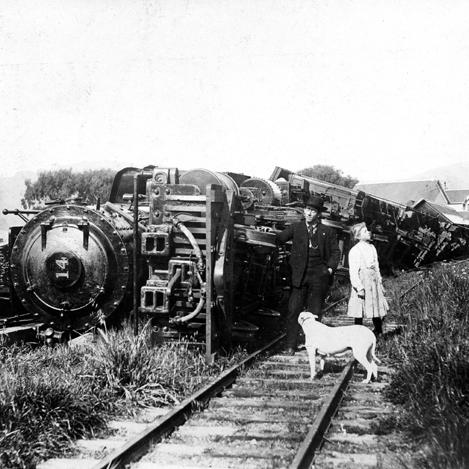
[(51, 396), (432, 362)]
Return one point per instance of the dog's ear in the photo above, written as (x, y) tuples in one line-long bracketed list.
[(302, 318), (315, 316)]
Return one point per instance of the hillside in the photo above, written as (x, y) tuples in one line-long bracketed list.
[(456, 176)]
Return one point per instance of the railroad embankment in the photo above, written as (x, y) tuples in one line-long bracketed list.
[(430, 383)]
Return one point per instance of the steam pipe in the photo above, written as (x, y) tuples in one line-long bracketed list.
[(192, 315), (173, 281), (198, 253), (196, 311)]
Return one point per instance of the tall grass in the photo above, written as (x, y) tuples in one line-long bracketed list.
[(133, 368), (50, 397), (44, 404), (432, 362)]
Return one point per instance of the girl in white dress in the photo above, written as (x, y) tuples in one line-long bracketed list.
[(367, 293)]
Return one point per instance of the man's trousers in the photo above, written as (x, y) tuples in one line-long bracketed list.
[(310, 297)]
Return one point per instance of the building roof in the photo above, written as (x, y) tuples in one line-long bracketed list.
[(407, 192), (457, 196), (452, 215)]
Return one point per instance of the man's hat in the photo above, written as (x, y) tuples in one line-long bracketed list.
[(315, 202)]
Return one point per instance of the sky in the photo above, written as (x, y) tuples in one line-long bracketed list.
[(376, 88)]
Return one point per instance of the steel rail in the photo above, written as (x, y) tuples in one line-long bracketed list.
[(311, 443), (140, 444), (335, 304)]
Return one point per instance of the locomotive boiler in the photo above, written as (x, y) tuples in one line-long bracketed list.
[(69, 266)]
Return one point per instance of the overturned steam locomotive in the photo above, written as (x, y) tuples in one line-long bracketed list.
[(195, 251)]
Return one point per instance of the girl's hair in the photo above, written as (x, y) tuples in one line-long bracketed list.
[(355, 230)]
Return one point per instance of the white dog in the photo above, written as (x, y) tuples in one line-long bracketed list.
[(325, 340)]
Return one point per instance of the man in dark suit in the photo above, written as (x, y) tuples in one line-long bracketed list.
[(314, 257)]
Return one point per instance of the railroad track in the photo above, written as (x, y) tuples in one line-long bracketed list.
[(352, 440), (272, 416), (263, 413)]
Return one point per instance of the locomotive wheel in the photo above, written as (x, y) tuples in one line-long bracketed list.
[(202, 177), (69, 267), (268, 192)]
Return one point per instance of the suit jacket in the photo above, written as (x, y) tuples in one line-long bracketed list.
[(298, 233)]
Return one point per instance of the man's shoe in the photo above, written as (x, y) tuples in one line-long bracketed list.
[(289, 351)]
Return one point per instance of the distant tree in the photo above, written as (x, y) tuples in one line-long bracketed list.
[(65, 184), (329, 174)]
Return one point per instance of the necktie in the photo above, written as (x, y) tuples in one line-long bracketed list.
[(311, 230)]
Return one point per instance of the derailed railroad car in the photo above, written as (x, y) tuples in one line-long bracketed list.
[(405, 237)]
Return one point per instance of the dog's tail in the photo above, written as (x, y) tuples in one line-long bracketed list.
[(373, 347)]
